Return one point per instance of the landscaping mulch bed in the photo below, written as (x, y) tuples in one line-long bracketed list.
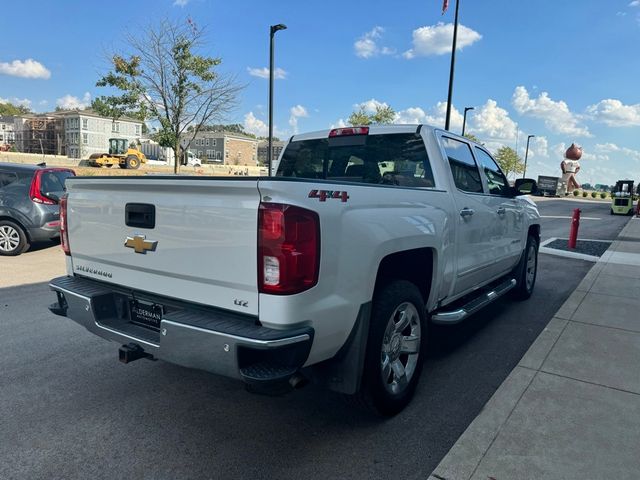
[(587, 247)]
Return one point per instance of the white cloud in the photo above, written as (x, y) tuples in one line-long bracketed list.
[(297, 112), (69, 102), (622, 152), (339, 124), (635, 3), (367, 45), (614, 113), (278, 73), (435, 116), (25, 102), (28, 68), (255, 125), (556, 114), (491, 122), (370, 106), (180, 3), (437, 39)]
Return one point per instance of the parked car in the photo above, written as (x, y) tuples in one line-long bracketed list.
[(29, 210), (330, 271)]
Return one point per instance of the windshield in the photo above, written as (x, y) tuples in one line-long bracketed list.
[(392, 159)]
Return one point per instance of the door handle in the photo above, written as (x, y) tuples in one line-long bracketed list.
[(501, 211), (466, 212)]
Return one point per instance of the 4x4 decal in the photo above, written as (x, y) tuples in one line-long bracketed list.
[(324, 194)]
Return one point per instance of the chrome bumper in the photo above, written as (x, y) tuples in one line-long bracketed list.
[(224, 343)]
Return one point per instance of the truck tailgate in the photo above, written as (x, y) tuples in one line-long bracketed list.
[(205, 229)]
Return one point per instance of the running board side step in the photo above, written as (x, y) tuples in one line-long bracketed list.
[(456, 316)]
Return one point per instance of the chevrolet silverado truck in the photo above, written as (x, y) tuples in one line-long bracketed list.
[(332, 269)]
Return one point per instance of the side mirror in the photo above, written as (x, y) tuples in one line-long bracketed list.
[(525, 186)]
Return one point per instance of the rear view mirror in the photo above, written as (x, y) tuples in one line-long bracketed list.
[(525, 186)]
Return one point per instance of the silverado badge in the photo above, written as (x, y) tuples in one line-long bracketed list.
[(140, 245)]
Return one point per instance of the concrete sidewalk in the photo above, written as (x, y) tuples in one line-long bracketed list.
[(571, 408)]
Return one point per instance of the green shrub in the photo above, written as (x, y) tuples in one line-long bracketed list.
[(584, 194), (576, 193), (594, 194), (603, 195)]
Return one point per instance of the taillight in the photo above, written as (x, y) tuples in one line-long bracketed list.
[(64, 232), (347, 131), (34, 190), (288, 249)]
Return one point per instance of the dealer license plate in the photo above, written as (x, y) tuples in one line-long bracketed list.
[(146, 314)]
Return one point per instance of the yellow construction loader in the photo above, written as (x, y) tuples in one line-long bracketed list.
[(119, 154)]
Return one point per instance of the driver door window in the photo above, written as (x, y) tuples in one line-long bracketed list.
[(498, 184)]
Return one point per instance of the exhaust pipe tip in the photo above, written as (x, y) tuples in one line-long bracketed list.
[(297, 381)]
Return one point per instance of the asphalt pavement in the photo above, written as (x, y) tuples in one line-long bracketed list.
[(70, 410)]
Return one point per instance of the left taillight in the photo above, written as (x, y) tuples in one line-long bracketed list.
[(288, 249), (64, 232)]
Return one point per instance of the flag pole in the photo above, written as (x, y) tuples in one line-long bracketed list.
[(451, 71)]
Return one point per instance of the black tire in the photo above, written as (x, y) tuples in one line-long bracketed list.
[(527, 270), (377, 391), (13, 239), (133, 162)]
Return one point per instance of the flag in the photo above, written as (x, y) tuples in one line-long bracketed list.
[(445, 5)]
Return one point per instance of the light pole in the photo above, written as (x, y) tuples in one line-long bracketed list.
[(452, 68), (526, 155), (464, 119), (272, 31)]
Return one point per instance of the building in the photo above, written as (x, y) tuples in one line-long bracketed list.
[(225, 148), (86, 132), (7, 133), (75, 133), (39, 133), (263, 149)]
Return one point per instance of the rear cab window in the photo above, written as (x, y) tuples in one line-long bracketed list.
[(394, 159), (52, 181)]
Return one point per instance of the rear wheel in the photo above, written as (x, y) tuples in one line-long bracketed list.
[(13, 240), (132, 162), (527, 270), (395, 348)]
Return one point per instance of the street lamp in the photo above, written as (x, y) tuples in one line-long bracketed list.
[(526, 155), (464, 120), (272, 31)]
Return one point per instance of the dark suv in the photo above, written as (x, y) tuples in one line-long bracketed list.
[(29, 209)]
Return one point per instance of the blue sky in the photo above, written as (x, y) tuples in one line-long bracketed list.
[(565, 71)]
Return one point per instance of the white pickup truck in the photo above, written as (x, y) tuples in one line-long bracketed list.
[(331, 270)]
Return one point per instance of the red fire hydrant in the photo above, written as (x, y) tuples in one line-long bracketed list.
[(575, 224)]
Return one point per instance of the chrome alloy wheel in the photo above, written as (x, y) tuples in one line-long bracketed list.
[(530, 274), (400, 348), (9, 238)]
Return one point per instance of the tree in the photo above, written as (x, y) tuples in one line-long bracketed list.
[(166, 79), (10, 110), (509, 161), (473, 138), (383, 114)]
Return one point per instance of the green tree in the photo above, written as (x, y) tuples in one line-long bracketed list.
[(473, 138), (166, 79), (383, 114), (10, 110), (509, 161)]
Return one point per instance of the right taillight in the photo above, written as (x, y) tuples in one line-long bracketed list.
[(64, 232), (288, 249)]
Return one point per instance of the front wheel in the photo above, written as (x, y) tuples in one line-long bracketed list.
[(527, 270), (395, 348)]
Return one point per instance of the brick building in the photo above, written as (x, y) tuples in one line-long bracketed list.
[(225, 148)]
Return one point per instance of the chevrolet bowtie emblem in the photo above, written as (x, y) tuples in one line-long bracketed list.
[(140, 245)]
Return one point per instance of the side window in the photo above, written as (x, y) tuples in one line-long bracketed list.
[(463, 167), (7, 178), (498, 184)]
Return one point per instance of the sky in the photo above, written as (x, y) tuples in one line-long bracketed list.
[(565, 71)]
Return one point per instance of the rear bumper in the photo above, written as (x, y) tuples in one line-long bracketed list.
[(224, 343)]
